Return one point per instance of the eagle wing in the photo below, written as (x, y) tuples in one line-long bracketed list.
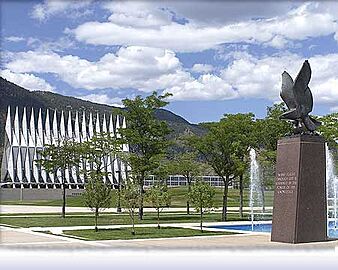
[(287, 91), (301, 90)]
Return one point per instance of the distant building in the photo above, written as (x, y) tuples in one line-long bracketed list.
[(27, 131)]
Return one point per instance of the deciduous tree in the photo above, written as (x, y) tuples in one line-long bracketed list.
[(97, 195), (201, 196), (146, 136), (60, 157), (159, 198)]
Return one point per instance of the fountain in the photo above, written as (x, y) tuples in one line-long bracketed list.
[(256, 198), (332, 189)]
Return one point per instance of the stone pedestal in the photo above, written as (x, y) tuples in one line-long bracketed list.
[(299, 211)]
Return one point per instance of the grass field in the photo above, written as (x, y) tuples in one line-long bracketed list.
[(111, 219), (178, 199), (141, 233)]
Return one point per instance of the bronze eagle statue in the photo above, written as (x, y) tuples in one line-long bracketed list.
[(298, 98)]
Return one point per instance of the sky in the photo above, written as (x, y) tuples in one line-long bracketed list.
[(214, 57)]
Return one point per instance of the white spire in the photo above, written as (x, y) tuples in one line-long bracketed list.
[(104, 125), (97, 126), (48, 134), (8, 127), (55, 136), (32, 138), (16, 136), (117, 126), (84, 127), (91, 126), (77, 127), (62, 126), (24, 134), (125, 147), (40, 131), (111, 125), (70, 127)]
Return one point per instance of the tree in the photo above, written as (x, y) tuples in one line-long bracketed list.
[(97, 195), (242, 130), (130, 199), (95, 153), (271, 128), (60, 157), (217, 149), (201, 196), (329, 128), (159, 198), (186, 164), (146, 136)]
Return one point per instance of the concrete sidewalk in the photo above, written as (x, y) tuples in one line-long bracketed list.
[(17, 209), (25, 238)]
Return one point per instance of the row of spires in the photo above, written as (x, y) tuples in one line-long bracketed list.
[(27, 133), (24, 138)]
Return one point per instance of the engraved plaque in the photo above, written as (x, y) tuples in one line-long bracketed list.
[(299, 213)]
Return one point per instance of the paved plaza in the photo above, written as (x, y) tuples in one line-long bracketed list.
[(34, 237), (27, 238)]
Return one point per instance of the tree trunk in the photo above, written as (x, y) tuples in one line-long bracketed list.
[(96, 217), (118, 207), (140, 210), (225, 199), (63, 215), (189, 190), (241, 195), (158, 218), (133, 223), (201, 214)]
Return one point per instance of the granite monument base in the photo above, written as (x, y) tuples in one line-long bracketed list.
[(299, 210)]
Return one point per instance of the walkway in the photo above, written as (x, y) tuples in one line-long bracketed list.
[(26, 237), (16, 209)]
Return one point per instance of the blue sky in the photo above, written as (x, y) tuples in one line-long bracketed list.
[(215, 57)]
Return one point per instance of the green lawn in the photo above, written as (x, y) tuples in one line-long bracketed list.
[(141, 233), (112, 219), (178, 199)]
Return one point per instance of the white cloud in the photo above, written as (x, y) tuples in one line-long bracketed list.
[(28, 81), (58, 45), (261, 78), (334, 109), (206, 87), (131, 67), (137, 14), (14, 39), (149, 69), (50, 8), (103, 99), (144, 69), (142, 28), (202, 68)]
